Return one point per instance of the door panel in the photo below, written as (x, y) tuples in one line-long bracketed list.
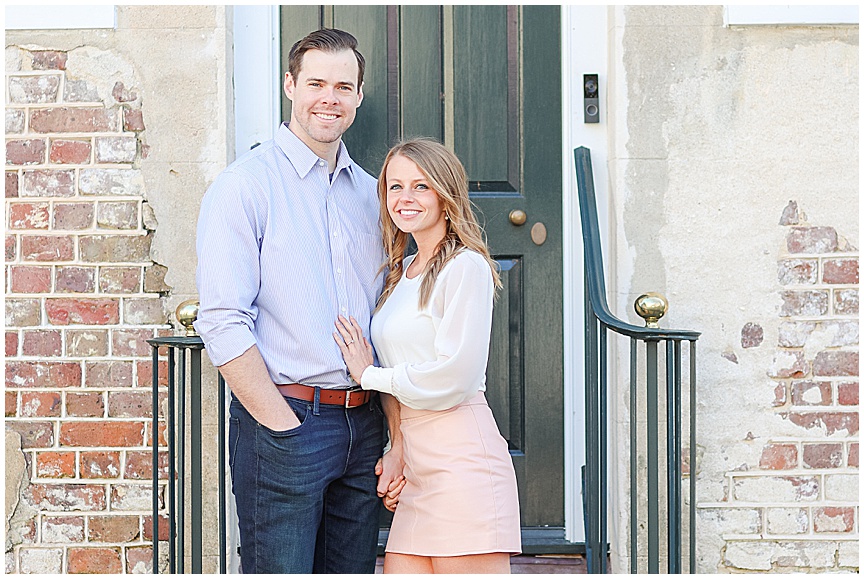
[(420, 86), (482, 112), (485, 80), (506, 370)]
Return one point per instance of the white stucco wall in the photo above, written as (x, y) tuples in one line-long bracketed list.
[(716, 130)]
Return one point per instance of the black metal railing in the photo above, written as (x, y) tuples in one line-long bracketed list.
[(599, 319), (184, 357)]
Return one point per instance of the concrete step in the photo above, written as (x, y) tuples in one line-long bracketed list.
[(551, 564), (536, 565)]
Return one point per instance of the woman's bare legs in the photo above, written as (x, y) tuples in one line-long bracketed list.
[(412, 564), (498, 563)]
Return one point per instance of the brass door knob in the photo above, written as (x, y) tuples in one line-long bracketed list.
[(518, 217)]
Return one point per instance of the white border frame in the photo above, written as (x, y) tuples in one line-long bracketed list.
[(776, 15), (64, 17)]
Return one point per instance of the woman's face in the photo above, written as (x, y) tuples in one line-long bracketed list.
[(413, 205)]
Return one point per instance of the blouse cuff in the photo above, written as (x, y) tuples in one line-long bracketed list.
[(375, 378)]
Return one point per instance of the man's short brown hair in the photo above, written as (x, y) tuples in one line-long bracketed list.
[(327, 40)]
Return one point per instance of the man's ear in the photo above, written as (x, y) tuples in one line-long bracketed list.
[(360, 95), (288, 86)]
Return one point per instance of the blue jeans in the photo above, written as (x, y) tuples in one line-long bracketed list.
[(306, 498)]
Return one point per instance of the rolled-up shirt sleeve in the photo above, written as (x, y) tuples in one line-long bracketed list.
[(462, 310), (230, 227)]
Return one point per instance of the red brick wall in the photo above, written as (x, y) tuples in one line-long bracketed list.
[(82, 296), (799, 504)]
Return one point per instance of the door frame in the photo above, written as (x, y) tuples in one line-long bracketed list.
[(583, 51), (583, 33)]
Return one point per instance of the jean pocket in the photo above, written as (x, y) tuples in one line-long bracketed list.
[(375, 406), (302, 411)]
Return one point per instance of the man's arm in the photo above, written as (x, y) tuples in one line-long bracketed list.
[(228, 281), (250, 382), (391, 464)]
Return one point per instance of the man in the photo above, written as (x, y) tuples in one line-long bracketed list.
[(288, 239)]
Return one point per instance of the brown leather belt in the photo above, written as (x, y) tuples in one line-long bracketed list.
[(345, 398)]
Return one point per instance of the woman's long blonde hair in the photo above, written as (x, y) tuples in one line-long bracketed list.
[(447, 177)]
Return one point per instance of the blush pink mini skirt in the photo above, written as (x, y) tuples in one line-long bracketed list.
[(460, 496)]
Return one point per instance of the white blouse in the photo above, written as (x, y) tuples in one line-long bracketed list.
[(435, 358)]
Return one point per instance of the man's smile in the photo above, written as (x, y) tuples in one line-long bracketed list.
[(326, 116)]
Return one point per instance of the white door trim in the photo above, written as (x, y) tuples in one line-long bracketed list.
[(583, 51), (257, 75)]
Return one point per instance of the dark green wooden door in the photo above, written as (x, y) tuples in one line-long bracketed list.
[(486, 81)]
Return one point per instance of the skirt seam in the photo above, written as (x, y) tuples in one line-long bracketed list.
[(489, 475)]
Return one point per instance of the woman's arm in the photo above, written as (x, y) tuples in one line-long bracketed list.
[(462, 306)]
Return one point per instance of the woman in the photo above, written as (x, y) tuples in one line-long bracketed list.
[(458, 510)]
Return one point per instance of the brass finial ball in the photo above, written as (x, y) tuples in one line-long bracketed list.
[(651, 307), (187, 312)]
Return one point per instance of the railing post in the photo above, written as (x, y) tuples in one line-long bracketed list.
[(176, 440), (673, 517), (221, 423), (692, 456), (195, 458), (170, 424), (653, 463), (154, 435), (591, 486), (602, 446), (634, 470), (181, 466)]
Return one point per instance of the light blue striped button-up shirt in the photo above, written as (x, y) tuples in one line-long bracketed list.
[(282, 251)]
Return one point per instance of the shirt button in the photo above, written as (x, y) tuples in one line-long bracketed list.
[(320, 163), (343, 309), (335, 234), (339, 270)]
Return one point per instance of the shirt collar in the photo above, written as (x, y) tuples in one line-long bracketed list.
[(304, 159)]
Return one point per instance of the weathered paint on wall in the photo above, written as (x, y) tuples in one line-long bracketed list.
[(739, 154)]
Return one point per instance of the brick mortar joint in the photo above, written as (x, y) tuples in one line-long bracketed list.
[(783, 474), (803, 537), (785, 255), (56, 136), (140, 482), (66, 137), (89, 295), (85, 263), (797, 472), (62, 104), (818, 286), (827, 408), (46, 72), (817, 319), (798, 440)]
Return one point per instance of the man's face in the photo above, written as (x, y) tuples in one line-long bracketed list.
[(324, 98)]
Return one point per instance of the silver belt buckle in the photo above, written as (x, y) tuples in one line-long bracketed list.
[(348, 395)]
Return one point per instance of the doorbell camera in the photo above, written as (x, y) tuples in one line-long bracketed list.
[(591, 88)]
